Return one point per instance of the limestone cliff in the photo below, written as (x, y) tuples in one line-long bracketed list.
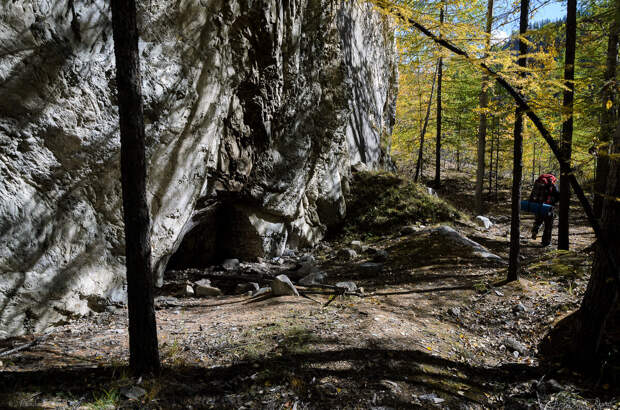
[(255, 110)]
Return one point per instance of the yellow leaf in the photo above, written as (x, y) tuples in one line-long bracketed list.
[(338, 389), (429, 349), (609, 104)]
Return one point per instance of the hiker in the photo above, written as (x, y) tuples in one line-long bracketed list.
[(545, 191)]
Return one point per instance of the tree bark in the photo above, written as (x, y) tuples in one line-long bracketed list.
[(482, 129), (418, 166), (143, 349), (438, 136), (607, 119), (600, 299), (514, 264), (567, 125)]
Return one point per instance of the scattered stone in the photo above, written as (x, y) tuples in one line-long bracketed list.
[(431, 398), (359, 167), (262, 292), (515, 354), (246, 287), (431, 191), (203, 288), (348, 285), (282, 286), (308, 258), (313, 278), (455, 311), (519, 307), (393, 386), (133, 392), (289, 253), (358, 246), (408, 230), (380, 256), (483, 222), (514, 346), (346, 254), (189, 290), (230, 264)]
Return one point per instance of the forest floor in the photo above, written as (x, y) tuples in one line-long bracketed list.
[(433, 329)]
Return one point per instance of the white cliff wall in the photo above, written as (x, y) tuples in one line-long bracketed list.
[(255, 112)]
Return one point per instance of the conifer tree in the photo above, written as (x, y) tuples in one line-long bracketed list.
[(143, 349)]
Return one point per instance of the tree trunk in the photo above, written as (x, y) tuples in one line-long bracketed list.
[(601, 299), (607, 119), (567, 125), (438, 137), (482, 129), (143, 350), (418, 166), (514, 264)]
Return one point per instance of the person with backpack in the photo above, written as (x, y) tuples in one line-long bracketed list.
[(545, 191)]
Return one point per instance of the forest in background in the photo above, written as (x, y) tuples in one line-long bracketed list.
[(461, 86)]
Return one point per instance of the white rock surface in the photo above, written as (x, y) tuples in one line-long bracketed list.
[(483, 222), (254, 111), (282, 286)]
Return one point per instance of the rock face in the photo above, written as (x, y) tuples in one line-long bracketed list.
[(255, 112)]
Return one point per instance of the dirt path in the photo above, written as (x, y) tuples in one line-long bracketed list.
[(431, 331)]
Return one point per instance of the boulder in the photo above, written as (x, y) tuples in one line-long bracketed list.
[(348, 285), (230, 264), (358, 246), (203, 288), (282, 286), (313, 278), (483, 222), (346, 254)]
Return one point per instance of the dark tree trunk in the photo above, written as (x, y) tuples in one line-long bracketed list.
[(567, 125), (601, 299), (438, 137), (143, 350), (607, 119), (482, 129), (418, 166), (514, 264)]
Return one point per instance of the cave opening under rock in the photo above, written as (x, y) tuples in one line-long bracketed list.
[(216, 233)]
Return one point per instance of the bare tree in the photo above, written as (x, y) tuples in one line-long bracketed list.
[(482, 130), (514, 264), (143, 349), (608, 118), (567, 125), (418, 165), (438, 136)]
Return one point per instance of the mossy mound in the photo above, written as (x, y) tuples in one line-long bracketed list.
[(380, 202)]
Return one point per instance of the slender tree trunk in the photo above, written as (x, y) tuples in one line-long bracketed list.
[(143, 350), (514, 264), (607, 118), (491, 153), (482, 129), (418, 167), (438, 137), (497, 166), (567, 125)]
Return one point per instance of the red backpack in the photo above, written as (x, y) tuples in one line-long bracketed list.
[(543, 187)]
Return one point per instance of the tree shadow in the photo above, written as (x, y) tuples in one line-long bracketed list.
[(360, 374)]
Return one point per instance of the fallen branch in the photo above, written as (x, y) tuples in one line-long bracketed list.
[(25, 346)]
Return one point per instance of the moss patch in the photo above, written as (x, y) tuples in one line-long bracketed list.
[(381, 201)]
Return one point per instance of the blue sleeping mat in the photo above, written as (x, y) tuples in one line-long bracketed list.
[(536, 208)]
